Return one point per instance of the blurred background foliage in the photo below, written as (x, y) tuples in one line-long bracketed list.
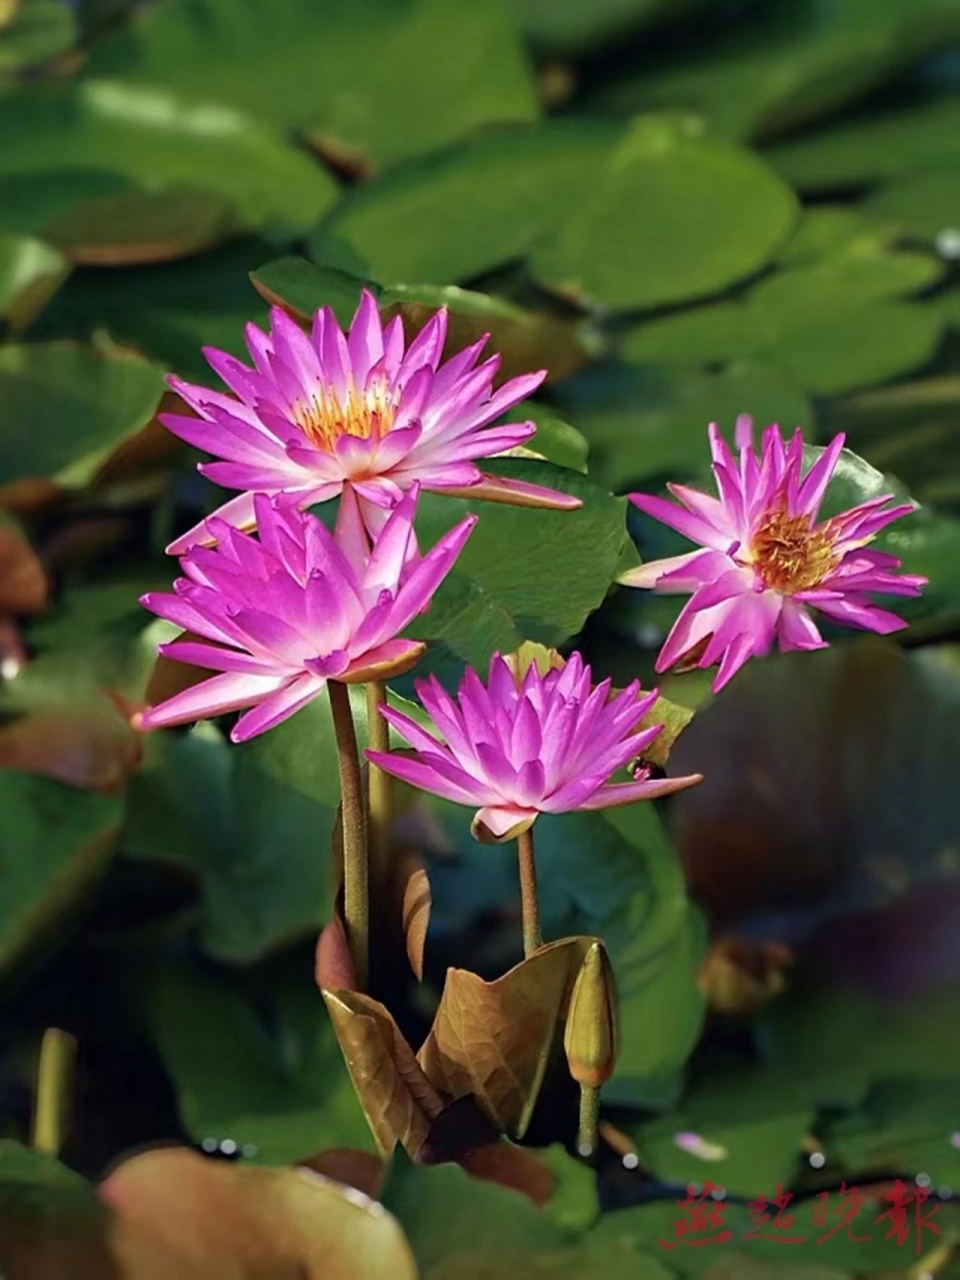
[(684, 210)]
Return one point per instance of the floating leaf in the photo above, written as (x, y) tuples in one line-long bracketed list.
[(64, 408), (453, 1222), (36, 32), (136, 227), (924, 204), (667, 185), (459, 212), (494, 600), (150, 138), (877, 146), (30, 274), (674, 719), (284, 1096), (319, 71), (63, 726), (213, 1216), (55, 844), (651, 420), (788, 66), (822, 350)]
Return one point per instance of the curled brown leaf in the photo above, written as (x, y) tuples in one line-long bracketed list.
[(494, 1040), (400, 1103)]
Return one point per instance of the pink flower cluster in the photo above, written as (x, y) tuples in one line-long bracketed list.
[(363, 415)]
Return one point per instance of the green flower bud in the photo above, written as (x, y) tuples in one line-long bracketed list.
[(590, 1036)]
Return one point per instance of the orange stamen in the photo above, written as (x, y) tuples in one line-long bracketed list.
[(365, 414), (789, 553)]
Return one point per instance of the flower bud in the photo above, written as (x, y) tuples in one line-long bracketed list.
[(590, 1036), (532, 654)]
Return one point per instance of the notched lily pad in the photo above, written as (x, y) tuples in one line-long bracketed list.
[(132, 228)]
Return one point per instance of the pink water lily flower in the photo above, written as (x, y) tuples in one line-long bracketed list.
[(326, 410), (522, 745), (764, 559), (281, 615)]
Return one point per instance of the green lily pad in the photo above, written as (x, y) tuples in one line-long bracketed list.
[(518, 594), (454, 1223), (873, 147), (279, 1102), (462, 211), (150, 139), (861, 270), (256, 833), (904, 1126), (673, 215), (40, 31), (925, 204), (133, 227), (65, 407), (823, 351), (30, 274), (747, 1158), (569, 27), (788, 66), (338, 71), (650, 420), (167, 311), (56, 843)]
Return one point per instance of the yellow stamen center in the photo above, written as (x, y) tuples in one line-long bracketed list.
[(789, 554), (363, 414)]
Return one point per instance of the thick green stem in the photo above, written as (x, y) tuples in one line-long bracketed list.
[(588, 1132), (530, 909), (379, 792), (356, 890), (51, 1116)]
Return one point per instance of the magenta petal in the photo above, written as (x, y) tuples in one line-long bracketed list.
[(500, 820), (420, 775), (237, 512), (213, 697), (276, 708), (618, 793), (797, 630)]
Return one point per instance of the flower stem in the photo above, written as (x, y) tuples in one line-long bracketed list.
[(51, 1116), (532, 937), (379, 795), (588, 1132), (356, 891)]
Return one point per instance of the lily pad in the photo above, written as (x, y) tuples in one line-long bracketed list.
[(924, 204), (65, 407), (280, 1095), (650, 420), (673, 215), (321, 71), (135, 227), (822, 351), (451, 215), (30, 274), (516, 596), (149, 138)]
